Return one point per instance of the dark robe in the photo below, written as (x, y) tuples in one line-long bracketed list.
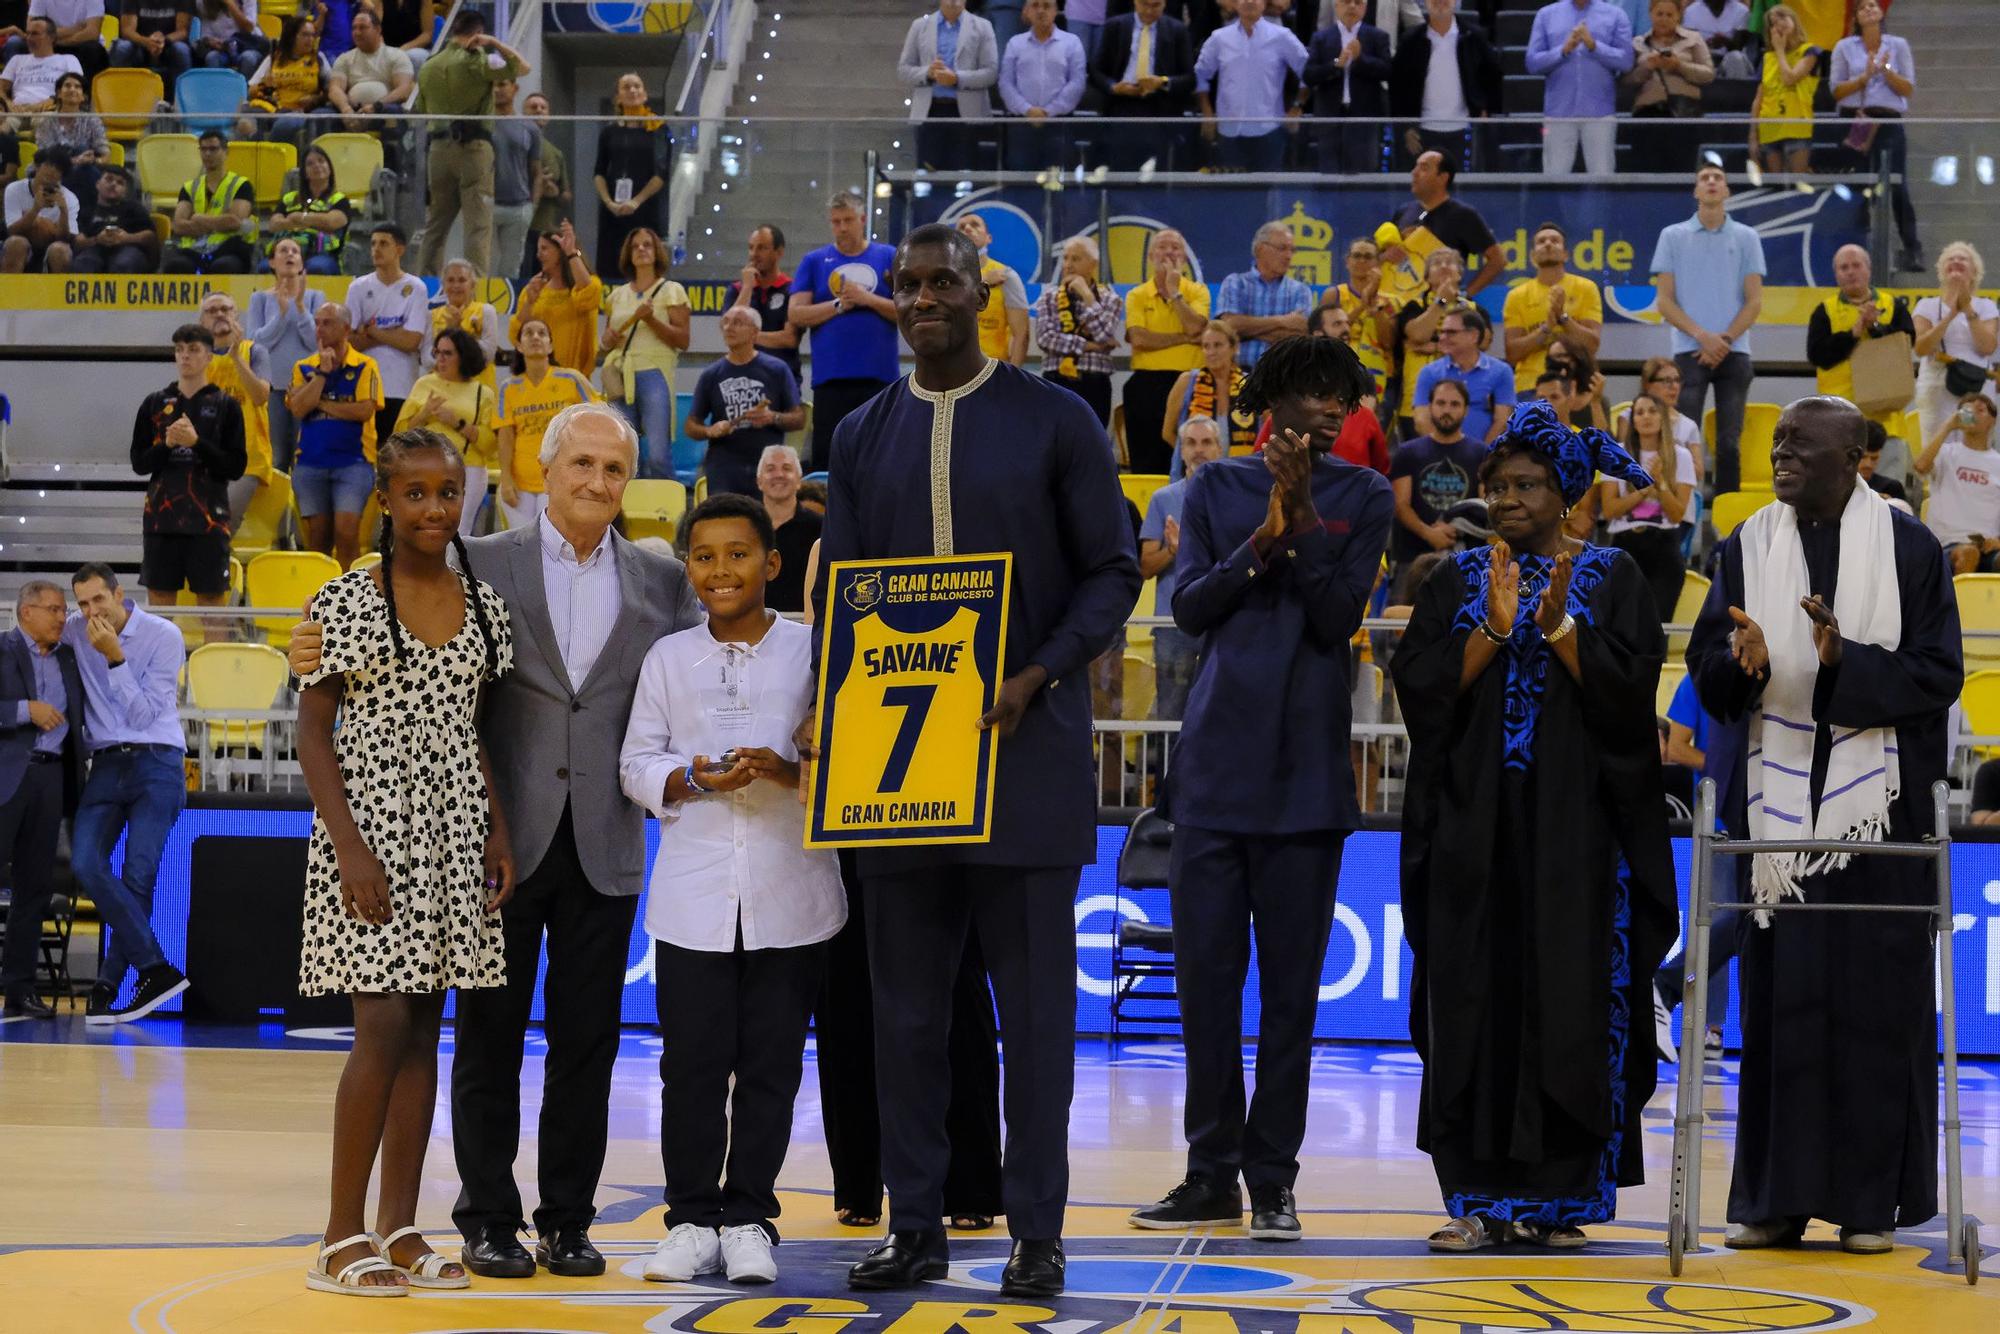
[(1837, 1111), (1538, 891)]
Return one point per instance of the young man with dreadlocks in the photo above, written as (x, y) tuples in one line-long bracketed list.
[(1278, 555), (410, 859)]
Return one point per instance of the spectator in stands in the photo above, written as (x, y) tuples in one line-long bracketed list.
[(314, 214), (566, 296), (1488, 381), (1891, 478), (1873, 75), (1661, 378), (336, 397), (1444, 75), (1555, 306), (455, 88), (1347, 70), (229, 37), (1003, 320), (1076, 324), (1240, 86), (242, 370), (1264, 302), (115, 234), (1965, 486), (744, 402), (289, 85), (187, 440), (555, 193), (41, 215), (949, 61), (840, 293), (1986, 793), (1781, 129), (459, 307), (1710, 275), (79, 31), (408, 26), (1041, 82), (766, 291), (1085, 20), (455, 400), (634, 153), (28, 81), (798, 528), (1958, 332), (1432, 472), (1670, 67), (645, 332), (153, 34), (517, 159), (528, 402), (1586, 405), (212, 226), (1417, 325), (1144, 68), (1361, 441), (41, 768), (371, 78), (1725, 26), (1371, 311), (1857, 311), (282, 322), (1645, 522), (1175, 652), (13, 14), (70, 124), (1214, 390), (1580, 47), (1164, 319), (1433, 217), (391, 312)]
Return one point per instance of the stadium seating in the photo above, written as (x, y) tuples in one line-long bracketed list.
[(1733, 507), (1140, 486), (127, 100), (166, 163), (269, 520), (1760, 427), (654, 507), (265, 165), (1979, 609), (207, 99), (1694, 592), (367, 560), (1671, 676), (236, 676), (286, 580), (358, 173)]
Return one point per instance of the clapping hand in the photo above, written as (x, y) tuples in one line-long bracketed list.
[(1289, 459), (1746, 644), (181, 433), (1503, 590), (1825, 631), (1171, 538), (1554, 604)]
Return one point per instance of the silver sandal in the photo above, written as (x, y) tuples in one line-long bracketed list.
[(1551, 1236), (1463, 1235), (428, 1271), (348, 1281)]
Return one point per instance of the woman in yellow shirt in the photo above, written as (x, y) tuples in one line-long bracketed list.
[(527, 402), (1791, 77), (456, 403), (291, 82), (645, 332), (565, 295), (461, 308)]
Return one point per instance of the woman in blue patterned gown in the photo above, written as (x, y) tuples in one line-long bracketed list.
[(1538, 891)]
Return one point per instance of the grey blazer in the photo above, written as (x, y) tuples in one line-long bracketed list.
[(977, 62), (553, 742)]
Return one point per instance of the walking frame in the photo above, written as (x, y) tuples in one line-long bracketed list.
[(1684, 1209)]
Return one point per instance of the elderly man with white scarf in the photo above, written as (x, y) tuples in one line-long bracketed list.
[(1829, 650)]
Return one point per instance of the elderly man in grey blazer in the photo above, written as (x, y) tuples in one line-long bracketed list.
[(951, 61), (592, 604)]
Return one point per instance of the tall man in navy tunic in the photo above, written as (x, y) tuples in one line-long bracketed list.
[(970, 455), (1278, 556), (1831, 638)]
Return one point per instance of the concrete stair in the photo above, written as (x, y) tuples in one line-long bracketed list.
[(54, 519), (1953, 49)]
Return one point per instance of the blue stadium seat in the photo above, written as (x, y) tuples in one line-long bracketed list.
[(208, 99), (688, 456)]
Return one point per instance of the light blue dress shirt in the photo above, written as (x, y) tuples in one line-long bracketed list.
[(947, 51), (1850, 57), (1710, 267), (1047, 74), (49, 689), (136, 702), (582, 598), (1584, 82), (1245, 73)]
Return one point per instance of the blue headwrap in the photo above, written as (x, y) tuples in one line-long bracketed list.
[(1577, 456)]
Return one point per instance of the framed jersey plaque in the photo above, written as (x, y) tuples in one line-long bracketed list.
[(911, 655)]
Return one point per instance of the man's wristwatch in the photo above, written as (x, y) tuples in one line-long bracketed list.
[(1561, 631)]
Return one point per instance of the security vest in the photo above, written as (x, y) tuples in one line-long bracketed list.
[(1838, 380), (993, 315), (202, 201)]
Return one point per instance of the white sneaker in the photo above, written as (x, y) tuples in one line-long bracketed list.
[(687, 1253), (1663, 1026), (746, 1254)]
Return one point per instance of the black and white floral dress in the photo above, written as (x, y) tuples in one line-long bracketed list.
[(409, 759)]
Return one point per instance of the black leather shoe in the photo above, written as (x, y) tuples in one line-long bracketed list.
[(25, 1004), (570, 1254), (497, 1252), (1198, 1201), (1034, 1270), (1274, 1215), (904, 1260)]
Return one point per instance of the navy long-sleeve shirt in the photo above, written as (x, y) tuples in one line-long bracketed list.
[(1263, 749)]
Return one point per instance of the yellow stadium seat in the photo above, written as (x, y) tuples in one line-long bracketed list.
[(265, 521), (1671, 676), (236, 676), (1694, 592), (166, 163), (701, 488), (1979, 609), (1760, 427), (27, 154), (356, 159), (1139, 638), (367, 560), (1138, 687), (1979, 700), (286, 581), (126, 100), (270, 24), (110, 29), (653, 507), (264, 165), (1733, 507), (1140, 486)]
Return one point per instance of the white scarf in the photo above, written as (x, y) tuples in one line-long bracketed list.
[(1863, 776)]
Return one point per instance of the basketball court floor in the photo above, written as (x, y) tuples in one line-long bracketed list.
[(169, 1177)]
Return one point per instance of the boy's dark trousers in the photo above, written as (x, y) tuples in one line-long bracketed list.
[(740, 1014)]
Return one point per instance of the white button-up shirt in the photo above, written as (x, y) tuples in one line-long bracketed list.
[(582, 597), (1445, 109), (733, 857)]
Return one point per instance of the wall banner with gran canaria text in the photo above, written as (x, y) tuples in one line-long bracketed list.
[(911, 660)]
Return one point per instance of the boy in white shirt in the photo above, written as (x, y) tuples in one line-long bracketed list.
[(1964, 474), (738, 908)]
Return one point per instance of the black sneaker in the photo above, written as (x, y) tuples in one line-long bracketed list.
[(102, 997), (1274, 1215), (157, 986), (1198, 1201)]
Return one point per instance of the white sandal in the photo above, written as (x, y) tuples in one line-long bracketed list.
[(427, 1272), (347, 1281)]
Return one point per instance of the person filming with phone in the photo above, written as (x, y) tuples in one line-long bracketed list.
[(1965, 486)]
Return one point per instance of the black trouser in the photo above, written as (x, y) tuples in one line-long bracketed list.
[(941, 137), (30, 820), (1657, 552), (1348, 146), (1025, 922), (1146, 410), (1093, 388), (1731, 379), (844, 1029), (832, 400), (1891, 151), (231, 256), (385, 424), (739, 1015), (588, 934), (1224, 888)]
